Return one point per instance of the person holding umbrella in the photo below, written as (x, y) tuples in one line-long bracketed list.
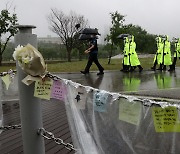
[(126, 58), (92, 51)]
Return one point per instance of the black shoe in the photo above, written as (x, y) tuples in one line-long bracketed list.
[(159, 69), (140, 69), (84, 72), (172, 68), (100, 73), (153, 68), (131, 70)]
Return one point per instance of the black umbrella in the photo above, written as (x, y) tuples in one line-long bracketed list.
[(87, 37), (122, 36), (89, 31)]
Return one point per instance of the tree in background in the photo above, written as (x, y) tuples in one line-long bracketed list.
[(65, 26), (50, 51), (145, 41), (117, 21), (80, 45), (8, 29)]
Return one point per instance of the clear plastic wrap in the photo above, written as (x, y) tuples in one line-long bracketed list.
[(1, 111), (111, 123)]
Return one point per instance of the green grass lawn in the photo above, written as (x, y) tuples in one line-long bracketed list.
[(116, 64), (76, 66)]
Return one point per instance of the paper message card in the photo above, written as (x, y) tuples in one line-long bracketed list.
[(42, 89), (58, 90), (100, 101), (80, 97), (130, 111), (166, 119), (6, 80)]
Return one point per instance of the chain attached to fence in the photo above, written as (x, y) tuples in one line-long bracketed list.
[(53, 77), (4, 128), (10, 72), (50, 136)]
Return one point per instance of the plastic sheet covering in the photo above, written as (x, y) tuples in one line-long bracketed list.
[(110, 123), (1, 112), (8, 101)]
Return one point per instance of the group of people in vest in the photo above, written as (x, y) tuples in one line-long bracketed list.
[(163, 53), (130, 60), (162, 57)]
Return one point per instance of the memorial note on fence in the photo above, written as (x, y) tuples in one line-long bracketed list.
[(166, 119), (129, 111), (58, 90), (42, 89), (100, 101)]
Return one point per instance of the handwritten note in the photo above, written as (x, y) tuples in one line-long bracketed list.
[(100, 101), (166, 119), (6, 80), (80, 97), (58, 90), (129, 111), (42, 89)]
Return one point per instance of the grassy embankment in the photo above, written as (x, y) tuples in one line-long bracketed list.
[(76, 66)]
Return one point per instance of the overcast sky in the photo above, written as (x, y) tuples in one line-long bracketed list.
[(155, 16)]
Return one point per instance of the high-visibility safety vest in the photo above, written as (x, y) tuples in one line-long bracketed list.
[(159, 52), (177, 48), (133, 55), (167, 52), (126, 52)]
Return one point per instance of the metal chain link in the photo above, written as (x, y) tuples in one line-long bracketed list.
[(41, 131), (4, 128), (10, 72), (50, 136), (53, 77)]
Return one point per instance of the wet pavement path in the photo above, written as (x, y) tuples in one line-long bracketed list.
[(147, 83), (161, 84)]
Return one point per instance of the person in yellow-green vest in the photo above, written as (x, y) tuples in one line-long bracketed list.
[(166, 59), (125, 61), (133, 57), (159, 54), (176, 53)]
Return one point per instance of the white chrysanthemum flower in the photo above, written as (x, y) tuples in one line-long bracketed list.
[(30, 60), (26, 56), (17, 50)]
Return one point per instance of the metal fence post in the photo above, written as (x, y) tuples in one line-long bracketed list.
[(30, 107)]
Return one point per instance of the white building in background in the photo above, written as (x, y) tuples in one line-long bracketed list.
[(49, 39)]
